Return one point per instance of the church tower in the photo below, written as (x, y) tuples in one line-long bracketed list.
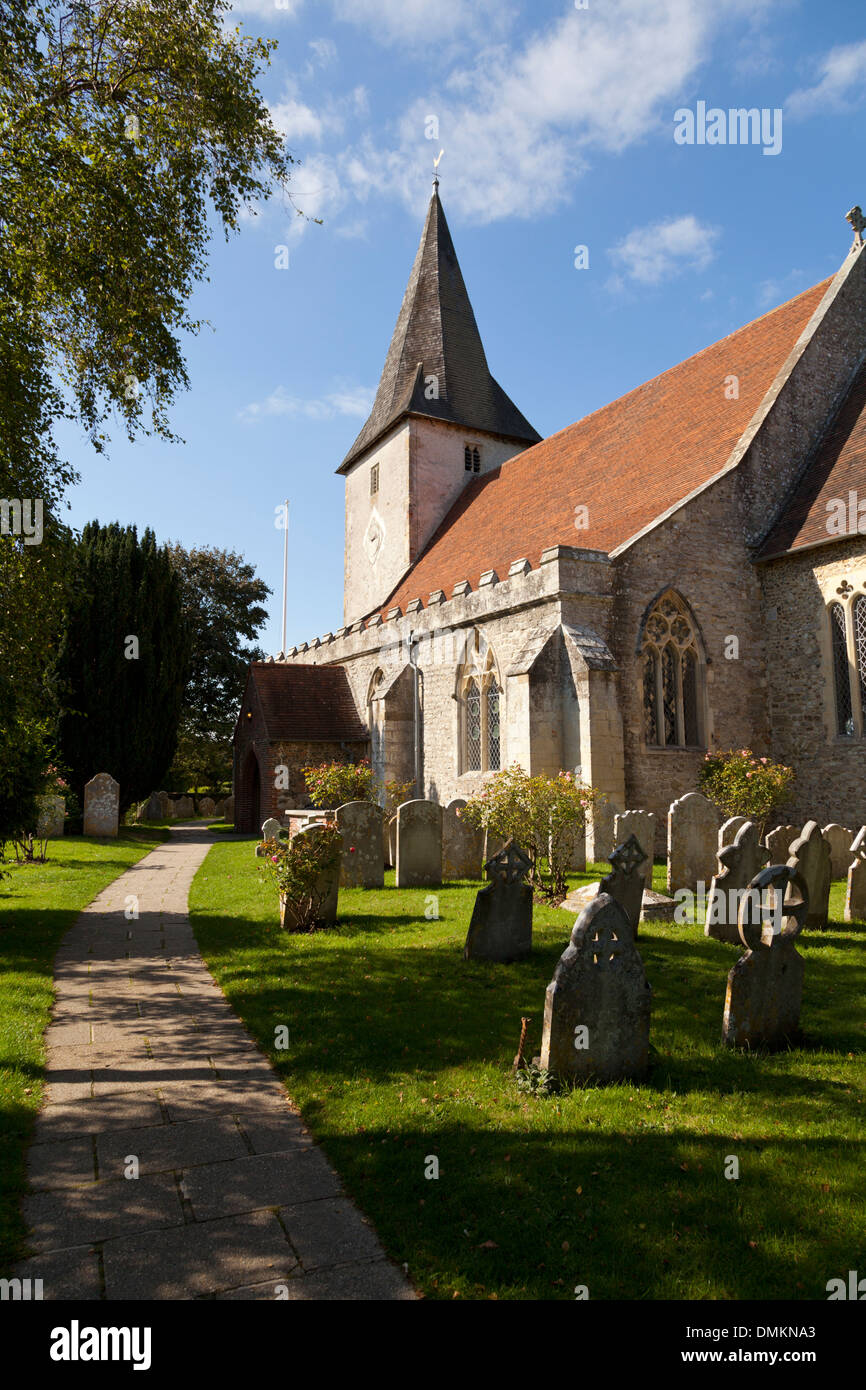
[(439, 419)]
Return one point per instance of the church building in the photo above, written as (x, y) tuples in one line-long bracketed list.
[(682, 571)]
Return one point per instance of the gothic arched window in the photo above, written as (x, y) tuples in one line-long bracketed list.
[(672, 676), (848, 644), (375, 722), (480, 698)]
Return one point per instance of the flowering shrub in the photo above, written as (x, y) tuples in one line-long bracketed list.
[(543, 814), (300, 870), (333, 784), (395, 794), (742, 785)]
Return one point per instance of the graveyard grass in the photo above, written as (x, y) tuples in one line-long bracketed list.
[(399, 1050), (38, 903)]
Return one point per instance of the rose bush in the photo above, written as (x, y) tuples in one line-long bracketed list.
[(333, 784), (741, 784), (300, 869)]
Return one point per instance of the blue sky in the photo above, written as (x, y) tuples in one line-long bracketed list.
[(557, 126)]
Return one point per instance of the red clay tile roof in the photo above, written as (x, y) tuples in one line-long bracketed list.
[(627, 463), (305, 702), (839, 467)]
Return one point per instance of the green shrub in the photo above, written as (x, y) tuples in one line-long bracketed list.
[(741, 784), (333, 784), (299, 869)]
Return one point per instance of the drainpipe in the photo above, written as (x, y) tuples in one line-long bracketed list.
[(417, 716)]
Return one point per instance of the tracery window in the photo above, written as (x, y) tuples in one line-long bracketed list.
[(848, 645), (672, 676), (480, 699)]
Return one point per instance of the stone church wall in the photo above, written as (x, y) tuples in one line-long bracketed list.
[(831, 771)]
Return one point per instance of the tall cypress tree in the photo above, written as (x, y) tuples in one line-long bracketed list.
[(122, 663)]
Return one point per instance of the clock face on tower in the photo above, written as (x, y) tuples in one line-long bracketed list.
[(374, 537)]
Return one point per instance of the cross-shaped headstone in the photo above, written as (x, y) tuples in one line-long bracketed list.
[(628, 856), (605, 945), (511, 864)]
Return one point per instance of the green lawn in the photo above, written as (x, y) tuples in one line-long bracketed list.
[(398, 1049), (38, 902)]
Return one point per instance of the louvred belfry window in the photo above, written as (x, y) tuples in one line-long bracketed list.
[(671, 676), (480, 699)]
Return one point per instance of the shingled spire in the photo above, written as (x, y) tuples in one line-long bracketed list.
[(437, 336)]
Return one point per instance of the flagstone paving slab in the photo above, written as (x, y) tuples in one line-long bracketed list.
[(145, 1058)]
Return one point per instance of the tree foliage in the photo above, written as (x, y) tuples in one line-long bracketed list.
[(121, 698), (222, 601)]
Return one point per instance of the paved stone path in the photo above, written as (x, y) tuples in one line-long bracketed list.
[(147, 1061)]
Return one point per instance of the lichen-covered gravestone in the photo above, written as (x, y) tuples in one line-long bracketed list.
[(765, 987), (625, 882), (326, 889), (855, 897), (419, 844), (229, 810), (597, 1006), (693, 835), (779, 842), (462, 845), (641, 824), (207, 806), (809, 855), (101, 805), (839, 839), (183, 806), (52, 817), (270, 835), (361, 865), (740, 860), (728, 830), (501, 926)]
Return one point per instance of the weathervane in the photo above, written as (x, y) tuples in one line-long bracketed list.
[(858, 222), (436, 168)]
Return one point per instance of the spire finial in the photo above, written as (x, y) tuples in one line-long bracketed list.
[(858, 222), (436, 170)]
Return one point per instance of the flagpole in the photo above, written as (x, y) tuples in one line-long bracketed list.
[(285, 569)]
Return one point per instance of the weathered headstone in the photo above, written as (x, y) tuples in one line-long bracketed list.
[(153, 807), (392, 841), (169, 812), (207, 807), (809, 855), (360, 824), (101, 805), (641, 824), (52, 817), (597, 1006), (693, 835), (327, 889), (229, 810), (220, 807), (625, 882), (728, 830), (779, 842), (739, 860), (462, 845), (183, 807), (855, 897), (166, 806), (419, 844), (839, 839), (501, 926), (765, 987)]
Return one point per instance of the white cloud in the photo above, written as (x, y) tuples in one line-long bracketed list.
[(324, 52), (266, 9), (772, 292), (661, 250), (296, 121), (518, 127), (345, 400), (840, 85), (423, 21)]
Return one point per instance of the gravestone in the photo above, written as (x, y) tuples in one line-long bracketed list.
[(739, 862), (625, 882), (839, 839), (462, 846), (779, 842), (597, 1006), (809, 855), (220, 808), (641, 824), (501, 925), (693, 836), (392, 841), (169, 812), (229, 810), (270, 836), (360, 824), (327, 888), (153, 807), (728, 830), (183, 807), (855, 897), (166, 806), (101, 805), (419, 844), (207, 807), (765, 987), (52, 817)]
